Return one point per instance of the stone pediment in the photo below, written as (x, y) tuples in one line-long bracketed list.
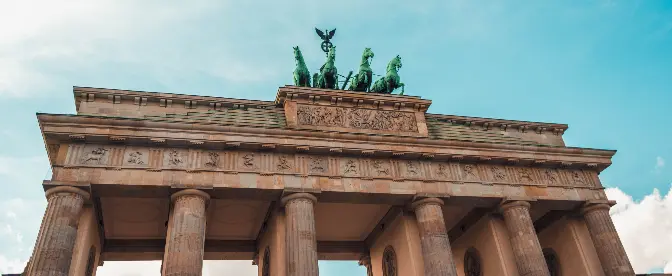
[(353, 112)]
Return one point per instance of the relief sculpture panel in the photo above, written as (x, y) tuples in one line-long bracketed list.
[(356, 118), (332, 166)]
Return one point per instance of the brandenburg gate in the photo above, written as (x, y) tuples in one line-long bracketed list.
[(318, 174)]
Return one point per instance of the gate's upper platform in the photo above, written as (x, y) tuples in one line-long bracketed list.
[(312, 109)]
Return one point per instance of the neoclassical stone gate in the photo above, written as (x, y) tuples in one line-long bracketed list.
[(318, 175)]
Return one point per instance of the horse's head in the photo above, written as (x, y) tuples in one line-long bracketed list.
[(395, 64), (367, 53), (297, 51), (332, 53)]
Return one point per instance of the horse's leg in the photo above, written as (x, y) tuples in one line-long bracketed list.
[(402, 85)]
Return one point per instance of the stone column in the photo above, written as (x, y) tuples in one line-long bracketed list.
[(365, 261), (608, 245), (301, 244), (436, 251), (56, 239), (183, 255), (526, 248)]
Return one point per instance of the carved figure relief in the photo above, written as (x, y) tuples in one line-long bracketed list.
[(389, 262), (350, 167), (95, 156), (248, 160), (412, 168), (382, 120), (212, 160), (577, 178), (381, 168), (498, 173), (283, 163), (551, 176), (472, 263), (266, 265), (317, 164), (320, 116), (525, 175), (174, 158), (135, 157), (442, 171), (372, 119), (469, 171)]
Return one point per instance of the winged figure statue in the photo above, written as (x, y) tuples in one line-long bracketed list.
[(326, 36)]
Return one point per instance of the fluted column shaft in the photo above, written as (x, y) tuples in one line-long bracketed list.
[(524, 241), (56, 239), (436, 251), (301, 243), (183, 255), (608, 245)]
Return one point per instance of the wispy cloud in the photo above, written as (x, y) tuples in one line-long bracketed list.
[(660, 163)]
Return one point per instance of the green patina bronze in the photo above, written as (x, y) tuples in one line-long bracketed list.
[(362, 81), (328, 77), (391, 80), (301, 73), (328, 74)]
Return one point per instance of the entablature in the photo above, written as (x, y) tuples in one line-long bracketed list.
[(394, 168), (59, 129)]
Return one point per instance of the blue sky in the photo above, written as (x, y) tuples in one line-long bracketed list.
[(603, 66)]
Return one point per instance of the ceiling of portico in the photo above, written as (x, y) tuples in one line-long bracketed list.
[(235, 219), (145, 218), (347, 221), (134, 218)]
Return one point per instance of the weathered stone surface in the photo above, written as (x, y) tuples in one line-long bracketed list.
[(436, 251), (608, 245), (356, 118), (300, 235), (186, 234), (161, 158), (524, 242), (56, 239)]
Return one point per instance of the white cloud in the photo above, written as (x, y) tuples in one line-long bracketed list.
[(80, 35), (11, 265), (644, 228)]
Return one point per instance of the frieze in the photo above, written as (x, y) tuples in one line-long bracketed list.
[(396, 169), (356, 118), (175, 158), (211, 160)]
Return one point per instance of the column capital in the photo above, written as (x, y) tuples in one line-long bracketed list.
[(67, 189), (286, 199), (424, 201), (508, 204), (365, 260), (188, 192), (588, 208)]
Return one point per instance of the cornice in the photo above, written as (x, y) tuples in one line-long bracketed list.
[(351, 98), (79, 128), (489, 123), (117, 95), (310, 94)]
